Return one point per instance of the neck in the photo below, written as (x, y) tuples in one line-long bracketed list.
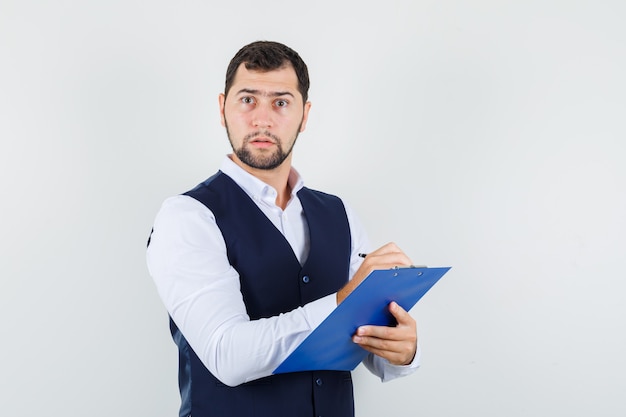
[(278, 178)]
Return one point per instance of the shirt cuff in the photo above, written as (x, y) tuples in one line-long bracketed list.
[(317, 311), (396, 371)]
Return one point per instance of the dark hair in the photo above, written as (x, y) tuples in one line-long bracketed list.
[(268, 56)]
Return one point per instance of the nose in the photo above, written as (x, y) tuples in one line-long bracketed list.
[(262, 117)]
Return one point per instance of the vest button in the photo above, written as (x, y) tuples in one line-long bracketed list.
[(319, 382), (305, 279)]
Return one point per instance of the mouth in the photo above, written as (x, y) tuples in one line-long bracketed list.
[(262, 142)]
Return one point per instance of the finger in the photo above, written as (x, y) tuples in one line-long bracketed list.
[(373, 262), (386, 249), (404, 329), (377, 343), (396, 344), (396, 352), (386, 257), (386, 333), (390, 247), (401, 315), (386, 260)]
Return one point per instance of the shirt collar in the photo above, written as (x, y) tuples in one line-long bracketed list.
[(254, 187)]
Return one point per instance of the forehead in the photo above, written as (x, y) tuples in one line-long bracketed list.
[(283, 79)]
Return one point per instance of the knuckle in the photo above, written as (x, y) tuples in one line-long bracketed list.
[(384, 345), (387, 332)]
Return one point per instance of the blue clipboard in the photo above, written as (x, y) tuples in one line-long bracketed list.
[(330, 346)]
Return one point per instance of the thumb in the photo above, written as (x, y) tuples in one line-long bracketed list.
[(400, 314)]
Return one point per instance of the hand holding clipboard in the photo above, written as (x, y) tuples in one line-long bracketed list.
[(330, 345)]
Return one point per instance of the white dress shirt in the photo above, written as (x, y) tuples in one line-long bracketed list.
[(201, 290)]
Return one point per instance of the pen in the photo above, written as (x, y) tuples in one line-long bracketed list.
[(362, 255)]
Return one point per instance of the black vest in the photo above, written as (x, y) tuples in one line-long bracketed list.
[(272, 282)]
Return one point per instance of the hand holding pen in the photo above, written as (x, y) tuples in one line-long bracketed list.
[(386, 257)]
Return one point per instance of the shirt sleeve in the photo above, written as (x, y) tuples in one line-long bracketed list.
[(378, 366), (200, 289)]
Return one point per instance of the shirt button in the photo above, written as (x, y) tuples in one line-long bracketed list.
[(319, 382), (305, 279)]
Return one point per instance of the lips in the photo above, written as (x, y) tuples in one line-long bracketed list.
[(262, 139), (262, 142)]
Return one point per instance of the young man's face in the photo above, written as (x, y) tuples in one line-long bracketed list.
[(263, 114)]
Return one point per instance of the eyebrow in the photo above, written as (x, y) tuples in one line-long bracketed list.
[(265, 93)]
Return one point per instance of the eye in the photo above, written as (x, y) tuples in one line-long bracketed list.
[(247, 100), (281, 103)]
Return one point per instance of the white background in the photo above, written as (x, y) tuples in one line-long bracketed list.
[(483, 135)]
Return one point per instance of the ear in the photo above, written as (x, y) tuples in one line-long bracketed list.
[(222, 100), (305, 115)]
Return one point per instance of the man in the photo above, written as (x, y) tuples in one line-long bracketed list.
[(250, 261)]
